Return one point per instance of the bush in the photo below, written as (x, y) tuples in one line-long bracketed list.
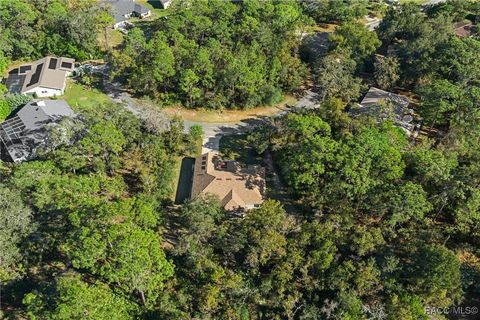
[(4, 110), (17, 100)]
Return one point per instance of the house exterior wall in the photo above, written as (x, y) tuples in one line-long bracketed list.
[(43, 92), (118, 24), (145, 15)]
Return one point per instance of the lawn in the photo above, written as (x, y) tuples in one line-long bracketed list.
[(81, 98), (224, 116), (114, 38), (419, 2), (155, 6), (182, 183), (13, 65)]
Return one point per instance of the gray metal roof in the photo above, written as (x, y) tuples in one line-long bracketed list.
[(376, 99), (26, 131)]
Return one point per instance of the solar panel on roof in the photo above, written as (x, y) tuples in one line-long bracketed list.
[(53, 63), (15, 82), (24, 69), (67, 65), (14, 71), (36, 75)]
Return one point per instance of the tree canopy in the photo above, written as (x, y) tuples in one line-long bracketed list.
[(360, 220), (217, 54)]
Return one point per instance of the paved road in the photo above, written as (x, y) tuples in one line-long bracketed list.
[(213, 132)]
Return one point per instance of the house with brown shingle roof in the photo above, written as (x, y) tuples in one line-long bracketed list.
[(238, 187), (463, 29)]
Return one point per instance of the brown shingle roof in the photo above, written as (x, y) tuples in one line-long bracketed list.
[(237, 187), (463, 29)]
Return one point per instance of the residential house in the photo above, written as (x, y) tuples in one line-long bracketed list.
[(464, 29), (238, 187), (123, 10), (22, 135), (166, 3), (384, 105), (46, 77)]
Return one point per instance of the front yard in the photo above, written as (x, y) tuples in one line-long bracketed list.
[(225, 116), (82, 98)]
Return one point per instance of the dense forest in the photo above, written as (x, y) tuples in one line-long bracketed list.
[(217, 54), (383, 227), (31, 29)]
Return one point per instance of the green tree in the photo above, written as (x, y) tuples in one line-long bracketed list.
[(441, 100), (218, 54), (436, 275), (74, 298), (336, 11), (335, 78), (4, 109), (386, 72), (357, 38), (15, 224)]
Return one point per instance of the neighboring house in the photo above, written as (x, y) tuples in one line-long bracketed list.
[(22, 135), (166, 3), (46, 77), (383, 105), (238, 188), (125, 9), (464, 29)]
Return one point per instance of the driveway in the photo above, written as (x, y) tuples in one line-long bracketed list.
[(213, 132)]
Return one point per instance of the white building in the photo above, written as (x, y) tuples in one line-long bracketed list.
[(123, 10), (46, 77)]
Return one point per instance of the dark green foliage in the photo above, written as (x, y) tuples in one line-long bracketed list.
[(217, 54), (15, 224), (73, 298), (16, 101), (335, 11), (5, 110), (31, 29), (382, 226), (97, 204), (357, 38)]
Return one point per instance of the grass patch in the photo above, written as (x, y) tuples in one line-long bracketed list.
[(82, 98), (225, 116), (155, 6), (322, 27), (13, 65), (419, 2), (115, 38), (176, 173), (182, 174)]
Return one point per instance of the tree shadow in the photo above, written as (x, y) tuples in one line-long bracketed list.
[(184, 186)]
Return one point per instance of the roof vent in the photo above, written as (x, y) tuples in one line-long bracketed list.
[(41, 103)]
